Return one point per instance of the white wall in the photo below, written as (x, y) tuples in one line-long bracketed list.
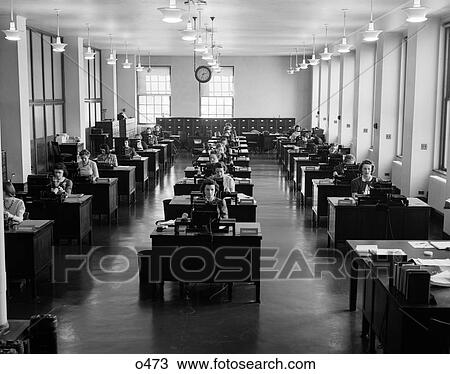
[(262, 87)]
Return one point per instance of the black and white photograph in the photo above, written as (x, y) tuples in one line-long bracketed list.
[(225, 185)]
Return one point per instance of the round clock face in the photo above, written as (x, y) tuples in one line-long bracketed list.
[(203, 74)]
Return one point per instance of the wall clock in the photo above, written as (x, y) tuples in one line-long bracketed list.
[(203, 74)]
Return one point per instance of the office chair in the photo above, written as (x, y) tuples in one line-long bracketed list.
[(166, 203), (439, 336)]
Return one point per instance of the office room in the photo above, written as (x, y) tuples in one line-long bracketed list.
[(222, 179)]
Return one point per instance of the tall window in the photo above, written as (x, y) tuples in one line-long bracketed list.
[(93, 93), (217, 96), (401, 101), (374, 101), (445, 119), (154, 92), (46, 96)]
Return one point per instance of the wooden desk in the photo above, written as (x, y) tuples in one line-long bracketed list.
[(141, 165), (28, 250), (242, 172), (72, 218), (166, 242), (127, 180), (105, 196), (382, 306), (371, 222), (297, 171), (170, 148), (308, 174), (190, 171), (153, 162), (323, 189), (163, 155), (241, 212), (186, 186), (284, 154)]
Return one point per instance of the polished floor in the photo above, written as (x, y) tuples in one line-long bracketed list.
[(105, 314)]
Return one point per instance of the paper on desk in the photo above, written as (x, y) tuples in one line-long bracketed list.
[(441, 279), (363, 250), (432, 262), (387, 252), (441, 245), (169, 223), (423, 245)]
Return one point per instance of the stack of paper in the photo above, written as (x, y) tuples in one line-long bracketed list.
[(363, 250), (441, 245), (420, 245)]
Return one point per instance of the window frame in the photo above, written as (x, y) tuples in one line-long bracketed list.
[(138, 95), (445, 105), (97, 99), (402, 98), (215, 96)]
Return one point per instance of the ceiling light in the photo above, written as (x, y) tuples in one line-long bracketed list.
[(12, 33), (207, 56), (417, 13), (111, 60), (126, 64), (371, 35), (304, 65), (313, 61), (58, 46), (139, 68), (149, 67), (89, 54), (325, 55), (290, 70), (297, 66), (188, 34), (344, 47), (171, 14)]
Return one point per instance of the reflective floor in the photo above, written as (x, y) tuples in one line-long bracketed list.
[(99, 309)]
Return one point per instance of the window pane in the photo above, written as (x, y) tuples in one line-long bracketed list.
[(37, 66), (49, 120), (48, 76)]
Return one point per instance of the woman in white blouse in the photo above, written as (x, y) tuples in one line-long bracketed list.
[(13, 208)]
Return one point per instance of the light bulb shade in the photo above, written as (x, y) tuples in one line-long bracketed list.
[(171, 15), (188, 35), (313, 61), (325, 55), (212, 62), (200, 48), (303, 65), (89, 54), (290, 71), (58, 46), (207, 56), (344, 47), (371, 35), (12, 34), (139, 68), (126, 64), (416, 13), (111, 60), (297, 68)]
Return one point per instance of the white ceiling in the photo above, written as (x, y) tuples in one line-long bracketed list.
[(244, 27)]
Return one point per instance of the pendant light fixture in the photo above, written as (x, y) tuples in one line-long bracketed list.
[(111, 60), (126, 64), (199, 46), (344, 47), (325, 55), (371, 35), (290, 70), (304, 65), (58, 46), (297, 66), (313, 61), (139, 68), (417, 13), (189, 34), (89, 54), (209, 55), (149, 68), (12, 33), (171, 14)]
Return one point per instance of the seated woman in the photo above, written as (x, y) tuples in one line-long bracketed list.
[(61, 184), (86, 167), (140, 145), (106, 156), (128, 151), (333, 149), (221, 178), (13, 208), (209, 168), (340, 169), (209, 189), (362, 184), (295, 134)]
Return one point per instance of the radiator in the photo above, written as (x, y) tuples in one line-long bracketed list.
[(436, 192)]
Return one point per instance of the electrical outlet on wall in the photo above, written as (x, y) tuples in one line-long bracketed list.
[(423, 147), (348, 125), (387, 174), (365, 131), (388, 136), (335, 121), (421, 192)]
